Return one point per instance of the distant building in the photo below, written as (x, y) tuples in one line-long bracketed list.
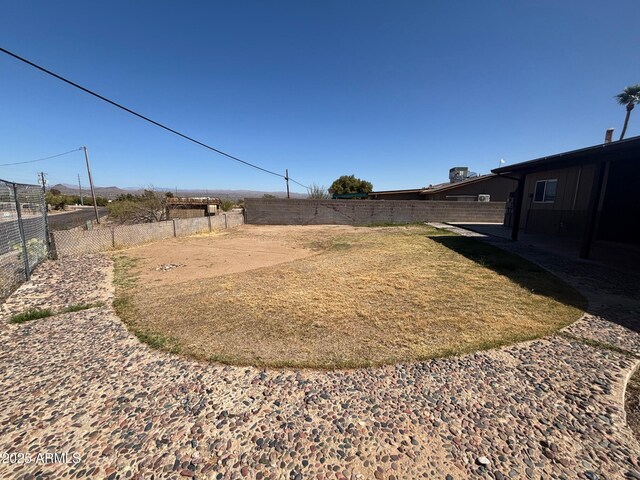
[(349, 196), (487, 188), (463, 186), (588, 194), (178, 207), (411, 194)]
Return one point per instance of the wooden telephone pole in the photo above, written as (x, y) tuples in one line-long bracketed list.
[(80, 188), (93, 193), (286, 177)]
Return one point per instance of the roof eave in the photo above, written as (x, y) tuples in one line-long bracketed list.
[(392, 192), (450, 186), (622, 148)]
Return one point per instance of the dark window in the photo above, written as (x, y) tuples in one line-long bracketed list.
[(550, 191), (545, 191), (539, 196)]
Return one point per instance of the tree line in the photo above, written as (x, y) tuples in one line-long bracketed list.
[(58, 200)]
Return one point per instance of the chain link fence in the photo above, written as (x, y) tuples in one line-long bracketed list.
[(66, 243), (24, 241)]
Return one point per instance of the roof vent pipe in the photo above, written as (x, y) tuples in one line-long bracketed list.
[(608, 135)]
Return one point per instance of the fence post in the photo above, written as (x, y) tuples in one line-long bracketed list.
[(225, 221), (27, 272), (209, 220), (113, 237), (174, 228), (46, 219)]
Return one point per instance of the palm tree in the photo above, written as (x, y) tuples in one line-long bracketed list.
[(629, 97)]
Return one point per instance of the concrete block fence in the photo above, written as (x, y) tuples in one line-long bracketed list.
[(268, 211), (66, 243)]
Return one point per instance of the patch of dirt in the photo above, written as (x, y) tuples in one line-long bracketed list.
[(222, 253), (632, 403)]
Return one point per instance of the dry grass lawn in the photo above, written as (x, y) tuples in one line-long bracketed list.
[(335, 297)]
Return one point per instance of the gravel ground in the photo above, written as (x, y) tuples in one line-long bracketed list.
[(80, 383), (56, 285)]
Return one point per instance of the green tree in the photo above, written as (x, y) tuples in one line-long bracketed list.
[(318, 192), (57, 201), (148, 207), (630, 96), (226, 204), (350, 184)]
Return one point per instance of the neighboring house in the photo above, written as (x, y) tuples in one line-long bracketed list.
[(470, 189), (191, 207), (588, 194), (481, 188), (413, 194)]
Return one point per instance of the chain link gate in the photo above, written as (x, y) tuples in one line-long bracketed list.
[(24, 239)]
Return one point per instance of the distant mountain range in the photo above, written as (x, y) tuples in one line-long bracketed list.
[(113, 192)]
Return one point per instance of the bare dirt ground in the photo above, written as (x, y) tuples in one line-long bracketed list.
[(224, 252), (335, 296), (632, 404)]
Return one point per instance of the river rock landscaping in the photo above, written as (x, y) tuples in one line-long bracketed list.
[(81, 383)]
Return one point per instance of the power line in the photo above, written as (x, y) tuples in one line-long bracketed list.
[(132, 112), (41, 159), (294, 181)]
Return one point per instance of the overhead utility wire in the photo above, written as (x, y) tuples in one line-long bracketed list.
[(304, 186), (128, 110), (41, 159)]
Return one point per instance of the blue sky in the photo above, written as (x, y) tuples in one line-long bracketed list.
[(393, 92)]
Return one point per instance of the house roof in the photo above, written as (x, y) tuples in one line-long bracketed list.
[(440, 187), (192, 201), (620, 150), (390, 192)]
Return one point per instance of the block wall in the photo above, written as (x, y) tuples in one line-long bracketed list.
[(267, 211)]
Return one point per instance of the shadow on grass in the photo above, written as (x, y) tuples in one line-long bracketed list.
[(523, 272)]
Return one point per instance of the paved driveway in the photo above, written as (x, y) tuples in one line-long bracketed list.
[(76, 218)]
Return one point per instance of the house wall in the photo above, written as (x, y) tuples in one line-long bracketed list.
[(262, 211), (566, 216), (498, 187), (620, 212)]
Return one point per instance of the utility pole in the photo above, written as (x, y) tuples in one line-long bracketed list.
[(93, 193), (44, 211), (286, 177), (80, 188)]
